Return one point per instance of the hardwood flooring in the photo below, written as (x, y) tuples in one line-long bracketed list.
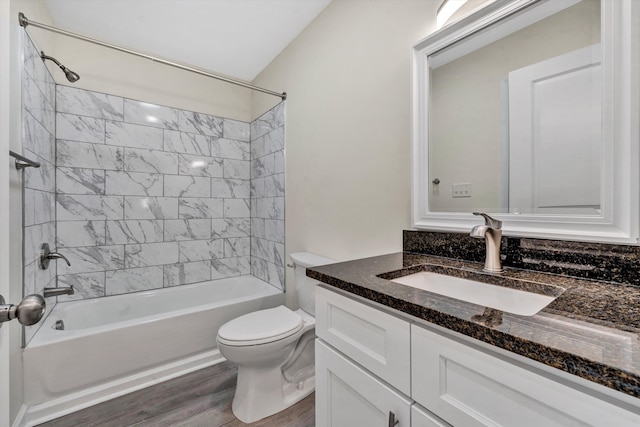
[(199, 399)]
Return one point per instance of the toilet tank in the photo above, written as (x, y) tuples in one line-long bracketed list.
[(305, 286)]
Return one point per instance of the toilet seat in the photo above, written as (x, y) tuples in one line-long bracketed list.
[(260, 327)]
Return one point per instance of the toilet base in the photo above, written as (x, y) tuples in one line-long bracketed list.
[(263, 392)]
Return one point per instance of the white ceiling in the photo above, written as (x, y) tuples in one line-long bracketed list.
[(238, 38)]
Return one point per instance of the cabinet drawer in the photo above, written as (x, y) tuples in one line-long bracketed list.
[(420, 417), (376, 340), (467, 387), (348, 396)]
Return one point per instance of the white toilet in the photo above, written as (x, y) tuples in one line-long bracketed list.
[(274, 350)]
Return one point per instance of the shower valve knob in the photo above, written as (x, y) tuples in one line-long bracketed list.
[(46, 256)]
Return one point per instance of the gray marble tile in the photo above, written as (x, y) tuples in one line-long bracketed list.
[(230, 188), (29, 203), (259, 269), (264, 166), (190, 208), (133, 280), (153, 161), (257, 228), (230, 149), (85, 285), (225, 267), (186, 186), (190, 229), (199, 123), (200, 166), (150, 207), (35, 68), (259, 248), (79, 128), (130, 135), (230, 227), (274, 230), (278, 162), (88, 207), (189, 143), (146, 254), (275, 275), (143, 113), (274, 185), (37, 139), (134, 231), (185, 273), (269, 121), (257, 187), (267, 144), (244, 265), (270, 208), (92, 258), (85, 155), (42, 178), (134, 183), (80, 233), (80, 181), (237, 246), (83, 102), (237, 169), (237, 208), (201, 250), (234, 129), (44, 206), (35, 102)]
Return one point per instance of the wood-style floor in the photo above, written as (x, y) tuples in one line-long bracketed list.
[(201, 398)]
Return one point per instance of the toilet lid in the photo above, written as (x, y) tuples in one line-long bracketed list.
[(261, 326)]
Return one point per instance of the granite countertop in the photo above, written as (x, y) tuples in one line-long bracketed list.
[(590, 330)]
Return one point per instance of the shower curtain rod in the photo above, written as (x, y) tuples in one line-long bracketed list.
[(24, 22)]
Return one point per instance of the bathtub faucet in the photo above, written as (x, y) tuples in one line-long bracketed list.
[(54, 292)]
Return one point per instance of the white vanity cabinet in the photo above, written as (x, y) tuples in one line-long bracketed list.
[(469, 387), (363, 366), (365, 357)]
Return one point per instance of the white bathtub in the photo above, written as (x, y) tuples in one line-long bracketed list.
[(111, 346)]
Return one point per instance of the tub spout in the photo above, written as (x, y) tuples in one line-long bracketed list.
[(54, 292)]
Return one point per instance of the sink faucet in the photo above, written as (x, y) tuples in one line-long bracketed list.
[(492, 233)]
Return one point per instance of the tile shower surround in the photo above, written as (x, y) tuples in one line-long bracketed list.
[(38, 143), (151, 196)]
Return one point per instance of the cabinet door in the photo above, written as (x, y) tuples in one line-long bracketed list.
[(468, 387), (376, 340), (420, 417), (348, 396)]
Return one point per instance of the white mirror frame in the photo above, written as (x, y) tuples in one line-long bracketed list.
[(620, 218)]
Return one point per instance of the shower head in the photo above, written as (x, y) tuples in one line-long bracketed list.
[(71, 75)]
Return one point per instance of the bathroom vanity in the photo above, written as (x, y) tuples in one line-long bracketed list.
[(391, 353)]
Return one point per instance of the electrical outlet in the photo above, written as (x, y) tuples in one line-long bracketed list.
[(461, 190)]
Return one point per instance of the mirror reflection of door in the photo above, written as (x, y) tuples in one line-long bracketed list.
[(555, 135)]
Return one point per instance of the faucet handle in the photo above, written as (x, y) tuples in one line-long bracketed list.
[(491, 222)]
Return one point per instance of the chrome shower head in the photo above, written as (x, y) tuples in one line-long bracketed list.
[(71, 75)]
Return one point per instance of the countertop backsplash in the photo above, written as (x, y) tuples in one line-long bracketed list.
[(594, 261)]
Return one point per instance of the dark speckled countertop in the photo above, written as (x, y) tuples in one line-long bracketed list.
[(590, 330)]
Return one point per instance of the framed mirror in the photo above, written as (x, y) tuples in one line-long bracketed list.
[(528, 110)]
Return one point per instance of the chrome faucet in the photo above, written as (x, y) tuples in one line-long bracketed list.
[(492, 233)]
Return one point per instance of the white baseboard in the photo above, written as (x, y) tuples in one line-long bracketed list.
[(36, 414)]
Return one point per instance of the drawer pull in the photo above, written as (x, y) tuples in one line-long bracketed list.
[(392, 419)]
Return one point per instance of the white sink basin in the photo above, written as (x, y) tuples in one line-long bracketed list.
[(501, 298)]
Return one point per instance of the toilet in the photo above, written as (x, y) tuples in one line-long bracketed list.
[(274, 350)]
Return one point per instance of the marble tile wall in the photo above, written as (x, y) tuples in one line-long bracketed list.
[(148, 196), (38, 142), (267, 196)]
